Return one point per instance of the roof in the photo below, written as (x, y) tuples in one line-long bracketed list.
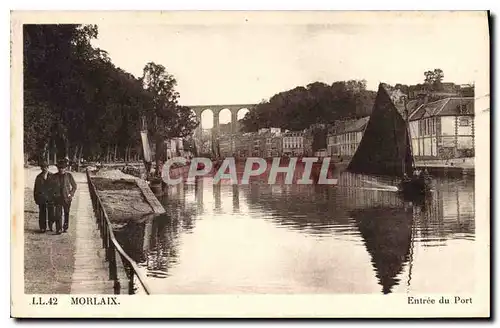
[(444, 107), (292, 133), (358, 125), (352, 126), (398, 99)]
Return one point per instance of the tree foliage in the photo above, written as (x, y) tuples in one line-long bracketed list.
[(166, 119), (434, 79), (318, 102), (77, 102)]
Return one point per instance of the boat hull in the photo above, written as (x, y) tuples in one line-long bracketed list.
[(156, 186), (414, 188)]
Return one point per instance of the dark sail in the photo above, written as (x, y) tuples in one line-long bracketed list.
[(385, 146)]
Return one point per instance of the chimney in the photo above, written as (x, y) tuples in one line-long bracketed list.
[(426, 98)]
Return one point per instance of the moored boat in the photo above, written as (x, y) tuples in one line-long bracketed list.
[(385, 149)]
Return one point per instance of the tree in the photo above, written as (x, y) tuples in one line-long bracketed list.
[(166, 118), (183, 124), (161, 85), (403, 87), (38, 120), (434, 79), (52, 64), (77, 102), (298, 108)]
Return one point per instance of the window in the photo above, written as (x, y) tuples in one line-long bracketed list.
[(464, 121)]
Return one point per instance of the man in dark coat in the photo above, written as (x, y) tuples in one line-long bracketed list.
[(42, 195), (64, 187)]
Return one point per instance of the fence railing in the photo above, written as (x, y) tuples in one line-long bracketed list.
[(121, 266)]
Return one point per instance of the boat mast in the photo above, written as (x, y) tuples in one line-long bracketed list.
[(408, 130), (412, 246)]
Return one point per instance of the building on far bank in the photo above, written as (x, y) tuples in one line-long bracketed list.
[(258, 144), (273, 145), (243, 144), (267, 142), (226, 145), (293, 143), (174, 147), (443, 129), (344, 137), (315, 139), (264, 143), (447, 89)]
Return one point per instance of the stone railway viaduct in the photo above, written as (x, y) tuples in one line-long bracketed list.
[(216, 109)]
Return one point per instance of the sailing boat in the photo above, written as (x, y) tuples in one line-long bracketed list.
[(155, 182), (146, 149), (385, 148)]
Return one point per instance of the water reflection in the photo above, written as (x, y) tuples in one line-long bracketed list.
[(260, 238), (386, 233), (236, 198)]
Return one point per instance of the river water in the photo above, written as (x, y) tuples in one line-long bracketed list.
[(260, 238)]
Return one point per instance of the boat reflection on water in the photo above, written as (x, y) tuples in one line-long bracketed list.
[(384, 221), (154, 244), (387, 234), (357, 237), (356, 206), (391, 229)]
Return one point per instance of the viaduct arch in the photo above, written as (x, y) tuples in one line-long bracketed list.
[(216, 109)]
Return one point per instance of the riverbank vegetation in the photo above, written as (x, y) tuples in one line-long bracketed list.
[(78, 103), (318, 102), (321, 103)]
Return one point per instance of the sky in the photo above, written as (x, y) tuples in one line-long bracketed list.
[(243, 61)]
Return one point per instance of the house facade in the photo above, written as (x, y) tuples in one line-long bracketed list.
[(344, 137), (293, 143), (443, 129), (226, 145), (273, 146), (264, 143), (270, 141), (174, 147), (243, 145)]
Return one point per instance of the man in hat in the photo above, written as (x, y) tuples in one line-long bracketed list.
[(64, 187), (42, 195)]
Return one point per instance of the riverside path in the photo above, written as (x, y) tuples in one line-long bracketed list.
[(69, 263)]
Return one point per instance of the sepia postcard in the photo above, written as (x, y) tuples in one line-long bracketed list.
[(250, 164)]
